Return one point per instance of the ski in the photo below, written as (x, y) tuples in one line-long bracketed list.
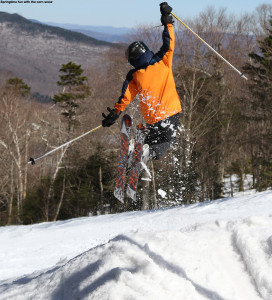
[(136, 162), (121, 172)]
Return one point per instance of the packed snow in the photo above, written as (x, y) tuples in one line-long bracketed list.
[(214, 250)]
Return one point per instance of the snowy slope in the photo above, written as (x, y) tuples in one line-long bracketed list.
[(214, 250)]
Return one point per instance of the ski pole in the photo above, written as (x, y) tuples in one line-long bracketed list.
[(211, 48), (33, 160)]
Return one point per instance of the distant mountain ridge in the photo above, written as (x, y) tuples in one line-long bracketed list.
[(104, 33), (34, 51), (37, 27), (101, 29)]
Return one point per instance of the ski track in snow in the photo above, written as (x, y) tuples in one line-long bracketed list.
[(219, 250)]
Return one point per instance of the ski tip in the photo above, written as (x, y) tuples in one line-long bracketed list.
[(131, 193), (119, 194), (127, 119), (120, 199)]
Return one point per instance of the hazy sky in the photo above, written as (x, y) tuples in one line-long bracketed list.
[(118, 13)]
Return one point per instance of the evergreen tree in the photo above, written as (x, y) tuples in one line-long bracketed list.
[(259, 110), (17, 86), (260, 73), (89, 186), (75, 88)]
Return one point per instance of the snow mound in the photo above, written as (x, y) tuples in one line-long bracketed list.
[(200, 252), (253, 240), (220, 260)]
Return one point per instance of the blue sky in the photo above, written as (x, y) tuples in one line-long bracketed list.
[(119, 13)]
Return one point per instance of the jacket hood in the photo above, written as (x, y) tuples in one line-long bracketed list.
[(143, 60)]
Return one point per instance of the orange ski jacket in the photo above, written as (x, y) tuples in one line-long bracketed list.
[(153, 80)]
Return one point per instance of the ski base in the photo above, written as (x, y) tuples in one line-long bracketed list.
[(136, 165), (135, 161), (121, 172)]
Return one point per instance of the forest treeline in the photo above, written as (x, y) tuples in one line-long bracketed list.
[(225, 127)]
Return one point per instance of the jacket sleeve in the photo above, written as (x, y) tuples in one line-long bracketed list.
[(129, 91), (167, 50)]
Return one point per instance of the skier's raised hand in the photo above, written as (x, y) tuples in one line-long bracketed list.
[(165, 8), (166, 18)]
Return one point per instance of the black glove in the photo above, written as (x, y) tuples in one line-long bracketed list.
[(110, 119), (165, 8), (167, 19)]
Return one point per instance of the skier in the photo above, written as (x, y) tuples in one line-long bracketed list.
[(152, 78)]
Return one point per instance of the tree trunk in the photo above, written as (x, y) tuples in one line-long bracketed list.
[(231, 186), (154, 185), (146, 186), (20, 176), (52, 180), (242, 181), (25, 172), (10, 204), (101, 191), (61, 197)]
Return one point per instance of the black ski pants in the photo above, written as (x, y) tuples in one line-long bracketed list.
[(161, 135)]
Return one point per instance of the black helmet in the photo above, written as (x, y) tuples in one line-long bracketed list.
[(135, 50)]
